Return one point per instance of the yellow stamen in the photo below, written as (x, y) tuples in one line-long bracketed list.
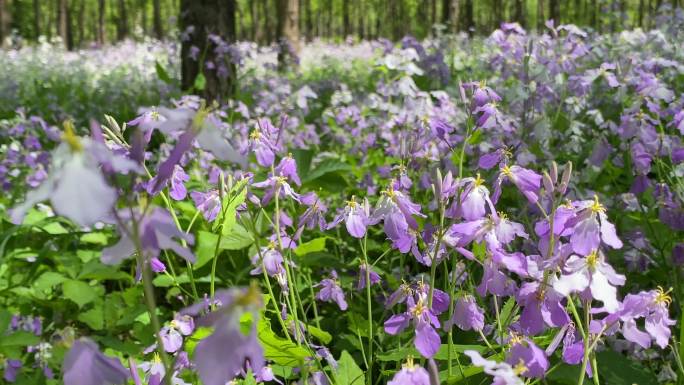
[(663, 296), (70, 137), (597, 207), (520, 368), (592, 260)]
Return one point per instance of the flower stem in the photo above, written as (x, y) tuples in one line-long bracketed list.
[(369, 307)]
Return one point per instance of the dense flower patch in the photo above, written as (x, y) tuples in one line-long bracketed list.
[(507, 209)]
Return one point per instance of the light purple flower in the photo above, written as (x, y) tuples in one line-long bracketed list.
[(288, 168), (427, 341), (653, 306), (503, 373), (527, 181), (11, 370), (355, 216), (208, 203), (594, 273), (227, 352), (467, 315), (84, 364), (541, 306), (590, 227), (276, 184), (156, 230), (172, 335), (525, 354), (331, 291), (410, 374), (374, 277)]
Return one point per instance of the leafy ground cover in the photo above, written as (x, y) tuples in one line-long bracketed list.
[(454, 211)]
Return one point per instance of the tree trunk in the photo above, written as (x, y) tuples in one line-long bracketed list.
[(308, 20), (157, 20), (36, 19), (498, 13), (216, 17), (3, 25), (266, 22), (142, 4), (346, 22), (100, 22), (520, 9), (454, 8), (122, 21), (63, 22), (554, 11), (288, 32), (468, 17), (81, 22), (540, 16)]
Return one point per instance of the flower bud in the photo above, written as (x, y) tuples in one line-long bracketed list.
[(554, 172), (548, 183), (565, 179)]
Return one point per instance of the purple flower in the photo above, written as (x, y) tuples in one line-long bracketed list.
[(314, 214), (172, 335), (279, 185), (261, 144), (653, 306), (76, 186), (588, 232), (11, 370), (541, 306), (474, 199), (503, 373), (84, 364), (208, 203), (178, 190), (374, 277), (593, 273), (271, 261), (467, 315), (396, 211), (355, 216), (528, 359), (156, 230), (331, 291), (427, 341), (527, 181), (225, 353), (288, 168), (410, 374)]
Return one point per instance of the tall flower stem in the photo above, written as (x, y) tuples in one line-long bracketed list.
[(369, 307)]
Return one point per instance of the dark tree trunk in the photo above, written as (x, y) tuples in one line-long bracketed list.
[(122, 21), (81, 22), (346, 20), (157, 20), (468, 17), (454, 10), (362, 20), (3, 25), (101, 9), (36, 19), (308, 20), (540, 16), (554, 11), (215, 17), (433, 13), (267, 27), (142, 4), (498, 13), (520, 9)]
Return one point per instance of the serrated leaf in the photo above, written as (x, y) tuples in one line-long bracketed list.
[(78, 292), (312, 246), (348, 372)]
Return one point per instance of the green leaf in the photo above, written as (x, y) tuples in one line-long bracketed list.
[(5, 320), (303, 159), (192, 341), (618, 369), (237, 196), (47, 281), (20, 338), (200, 82), (95, 238), (279, 350), (238, 239), (325, 167), (94, 318), (320, 334), (161, 73), (79, 292), (348, 372), (312, 246), (442, 354)]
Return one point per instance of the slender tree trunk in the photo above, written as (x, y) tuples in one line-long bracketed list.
[(36, 19), (267, 27), (81, 22), (346, 21), (468, 16), (554, 11), (63, 22), (520, 9), (454, 10), (288, 32), (433, 13), (101, 9), (308, 20), (498, 13), (209, 17), (142, 4), (3, 25), (540, 16), (157, 20)]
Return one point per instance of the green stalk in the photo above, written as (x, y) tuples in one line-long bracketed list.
[(369, 307)]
